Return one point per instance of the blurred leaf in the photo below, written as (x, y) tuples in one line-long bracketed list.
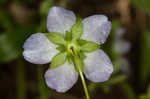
[(128, 91), (143, 96), (148, 93), (142, 4), (43, 89), (45, 7), (5, 20), (7, 51), (145, 57), (3, 1), (115, 80), (11, 43)]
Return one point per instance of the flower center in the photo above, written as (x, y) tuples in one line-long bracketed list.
[(72, 48)]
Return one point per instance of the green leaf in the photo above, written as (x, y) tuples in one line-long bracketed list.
[(11, 42), (148, 91), (5, 20), (68, 36), (145, 56), (45, 6), (89, 46), (142, 4), (7, 50), (143, 96), (77, 29), (128, 91), (56, 38), (58, 60)]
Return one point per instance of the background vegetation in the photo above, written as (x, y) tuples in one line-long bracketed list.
[(128, 46)]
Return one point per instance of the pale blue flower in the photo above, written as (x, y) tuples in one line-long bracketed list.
[(39, 50)]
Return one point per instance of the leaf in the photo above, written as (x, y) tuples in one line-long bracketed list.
[(145, 56), (148, 91), (143, 96), (89, 46), (58, 60), (56, 38), (5, 20), (142, 4), (128, 91), (11, 42), (7, 50), (45, 5), (77, 29)]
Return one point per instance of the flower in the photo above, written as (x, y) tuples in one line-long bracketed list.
[(121, 46), (38, 49)]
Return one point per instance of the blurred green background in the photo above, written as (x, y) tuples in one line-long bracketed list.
[(128, 46)]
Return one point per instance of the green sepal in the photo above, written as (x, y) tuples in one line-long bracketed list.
[(68, 36), (61, 48), (69, 58), (82, 42), (56, 38), (82, 55), (89, 46), (77, 29), (58, 60)]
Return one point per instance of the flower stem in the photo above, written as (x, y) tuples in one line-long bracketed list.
[(84, 85), (79, 67), (21, 88), (44, 94)]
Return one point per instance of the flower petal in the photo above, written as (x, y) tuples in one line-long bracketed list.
[(121, 46), (38, 49), (96, 28), (61, 78), (98, 66), (60, 19)]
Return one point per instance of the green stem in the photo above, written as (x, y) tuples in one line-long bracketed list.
[(84, 85), (42, 87), (79, 66), (21, 89)]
